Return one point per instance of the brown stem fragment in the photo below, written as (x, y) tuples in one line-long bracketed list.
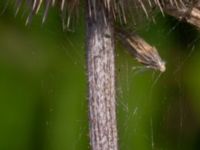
[(188, 13)]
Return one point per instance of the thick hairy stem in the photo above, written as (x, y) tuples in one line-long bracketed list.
[(101, 77)]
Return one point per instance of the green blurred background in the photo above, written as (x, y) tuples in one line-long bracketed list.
[(43, 87)]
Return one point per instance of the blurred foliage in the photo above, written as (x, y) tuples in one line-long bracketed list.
[(43, 87)]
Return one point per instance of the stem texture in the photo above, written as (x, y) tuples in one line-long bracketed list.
[(101, 77)]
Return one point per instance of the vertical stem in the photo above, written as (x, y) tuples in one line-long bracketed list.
[(101, 77)]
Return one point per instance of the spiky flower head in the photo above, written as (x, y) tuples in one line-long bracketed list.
[(120, 9)]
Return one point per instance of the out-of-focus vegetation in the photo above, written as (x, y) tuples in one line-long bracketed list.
[(43, 87)]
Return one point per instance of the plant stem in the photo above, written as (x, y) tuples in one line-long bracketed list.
[(101, 77)]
